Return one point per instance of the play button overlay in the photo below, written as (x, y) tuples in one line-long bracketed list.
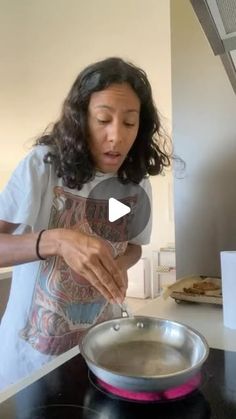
[(117, 212)]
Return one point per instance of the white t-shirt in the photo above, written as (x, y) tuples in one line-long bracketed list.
[(49, 305)]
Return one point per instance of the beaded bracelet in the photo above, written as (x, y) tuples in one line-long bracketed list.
[(37, 245)]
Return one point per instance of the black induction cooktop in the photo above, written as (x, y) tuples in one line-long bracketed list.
[(69, 393)]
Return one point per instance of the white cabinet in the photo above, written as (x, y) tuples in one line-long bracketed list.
[(164, 271), (147, 281), (139, 285)]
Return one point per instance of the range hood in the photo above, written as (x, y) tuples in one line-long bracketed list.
[(218, 20)]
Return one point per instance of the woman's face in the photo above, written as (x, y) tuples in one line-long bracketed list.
[(113, 123)]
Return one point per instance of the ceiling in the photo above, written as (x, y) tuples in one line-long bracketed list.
[(224, 16), (218, 20)]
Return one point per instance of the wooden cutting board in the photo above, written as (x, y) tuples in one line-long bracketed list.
[(189, 288)]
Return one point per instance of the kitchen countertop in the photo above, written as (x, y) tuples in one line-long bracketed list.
[(5, 273), (207, 319)]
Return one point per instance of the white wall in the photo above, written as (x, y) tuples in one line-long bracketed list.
[(43, 47)]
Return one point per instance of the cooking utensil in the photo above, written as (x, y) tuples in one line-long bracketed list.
[(144, 353)]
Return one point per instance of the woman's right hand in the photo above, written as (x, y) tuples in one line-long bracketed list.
[(90, 257)]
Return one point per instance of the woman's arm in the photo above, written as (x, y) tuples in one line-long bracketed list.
[(18, 248), (130, 257), (86, 255)]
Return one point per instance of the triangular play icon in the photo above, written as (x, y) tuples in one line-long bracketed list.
[(116, 209)]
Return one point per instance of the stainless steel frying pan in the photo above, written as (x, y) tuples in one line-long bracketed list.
[(144, 353)]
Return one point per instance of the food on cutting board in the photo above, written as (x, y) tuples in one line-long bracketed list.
[(201, 287), (191, 290)]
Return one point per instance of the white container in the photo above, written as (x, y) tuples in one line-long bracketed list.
[(228, 275)]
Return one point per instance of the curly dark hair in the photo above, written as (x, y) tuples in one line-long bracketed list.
[(68, 136)]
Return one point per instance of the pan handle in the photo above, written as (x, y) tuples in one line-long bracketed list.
[(124, 310)]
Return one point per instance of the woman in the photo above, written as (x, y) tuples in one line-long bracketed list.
[(67, 277)]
